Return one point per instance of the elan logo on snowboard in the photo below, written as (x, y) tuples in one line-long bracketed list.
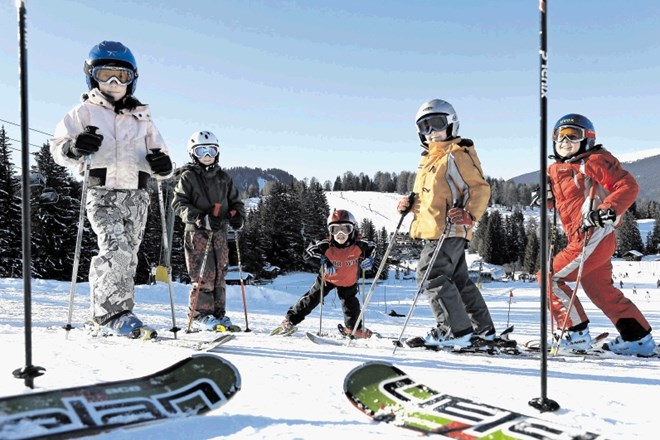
[(83, 412)]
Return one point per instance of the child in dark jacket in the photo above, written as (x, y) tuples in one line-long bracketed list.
[(341, 255), (206, 200)]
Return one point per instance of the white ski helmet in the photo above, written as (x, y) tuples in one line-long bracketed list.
[(437, 114), (201, 138)]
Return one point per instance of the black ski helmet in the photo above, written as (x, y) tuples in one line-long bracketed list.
[(576, 120)]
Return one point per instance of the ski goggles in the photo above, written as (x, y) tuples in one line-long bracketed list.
[(572, 133), (205, 150), (437, 122), (335, 229), (106, 74)]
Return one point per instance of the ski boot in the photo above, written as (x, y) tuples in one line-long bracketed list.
[(285, 329), (436, 340), (574, 341), (644, 347), (361, 333), (126, 324), (211, 323)]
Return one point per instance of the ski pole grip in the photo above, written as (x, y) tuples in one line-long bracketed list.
[(411, 200), (216, 209), (91, 129)]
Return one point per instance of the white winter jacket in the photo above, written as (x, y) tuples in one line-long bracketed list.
[(127, 138)]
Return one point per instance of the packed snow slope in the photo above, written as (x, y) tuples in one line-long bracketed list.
[(292, 388)]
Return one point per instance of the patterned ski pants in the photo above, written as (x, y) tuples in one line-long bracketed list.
[(118, 218), (212, 295)]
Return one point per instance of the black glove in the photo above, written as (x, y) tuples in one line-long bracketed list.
[(160, 163), (235, 221), (87, 142), (599, 218)]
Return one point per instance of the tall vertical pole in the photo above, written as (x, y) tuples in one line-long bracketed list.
[(29, 372), (542, 403)]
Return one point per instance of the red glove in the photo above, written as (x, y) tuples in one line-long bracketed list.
[(459, 216)]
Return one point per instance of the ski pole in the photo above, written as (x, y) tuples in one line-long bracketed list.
[(436, 251), (578, 278), (29, 372), (321, 293), (81, 223), (240, 275), (383, 263), (364, 282), (195, 297), (427, 272), (555, 343), (551, 251), (161, 205), (508, 313)]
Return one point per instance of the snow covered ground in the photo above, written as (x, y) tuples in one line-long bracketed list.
[(292, 388)]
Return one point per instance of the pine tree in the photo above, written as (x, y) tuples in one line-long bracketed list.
[(55, 225), (381, 246), (532, 249), (653, 238), (368, 233), (314, 212), (151, 249), (337, 186), (628, 236), (518, 237), (492, 249), (283, 228), (252, 255), (11, 250)]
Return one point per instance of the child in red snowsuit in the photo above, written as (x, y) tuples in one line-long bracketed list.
[(591, 192), (342, 255)]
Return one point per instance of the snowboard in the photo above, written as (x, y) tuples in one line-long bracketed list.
[(387, 394), (192, 386)]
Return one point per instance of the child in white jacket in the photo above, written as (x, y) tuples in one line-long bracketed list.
[(113, 134)]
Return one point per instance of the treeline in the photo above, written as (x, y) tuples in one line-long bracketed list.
[(282, 221), (513, 242), (285, 220)]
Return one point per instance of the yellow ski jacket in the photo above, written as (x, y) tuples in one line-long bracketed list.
[(449, 172)]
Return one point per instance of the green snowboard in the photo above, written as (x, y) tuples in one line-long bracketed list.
[(195, 385), (387, 394)]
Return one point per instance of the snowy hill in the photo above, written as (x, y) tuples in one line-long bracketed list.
[(292, 388), (380, 208)]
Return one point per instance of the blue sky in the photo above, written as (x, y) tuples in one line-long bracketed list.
[(318, 88)]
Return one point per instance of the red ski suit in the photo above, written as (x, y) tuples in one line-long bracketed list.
[(594, 180)]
